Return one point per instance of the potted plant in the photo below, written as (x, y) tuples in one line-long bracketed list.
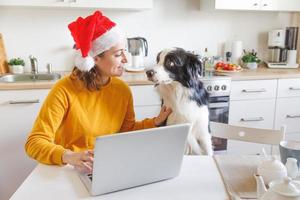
[(250, 59), (16, 65)]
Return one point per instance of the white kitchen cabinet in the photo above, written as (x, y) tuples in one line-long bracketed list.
[(258, 89), (288, 88), (288, 105), (247, 4), (293, 136), (38, 3), (258, 5), (289, 5), (252, 104), (93, 4), (142, 112), (18, 110), (116, 4), (146, 101), (250, 113), (288, 114)]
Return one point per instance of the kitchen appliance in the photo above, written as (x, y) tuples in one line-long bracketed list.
[(282, 47), (3, 59), (138, 50), (218, 88)]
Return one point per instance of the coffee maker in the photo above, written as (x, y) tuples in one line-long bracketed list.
[(282, 48), (137, 51)]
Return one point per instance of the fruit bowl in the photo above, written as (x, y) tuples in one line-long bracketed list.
[(228, 71), (227, 67)]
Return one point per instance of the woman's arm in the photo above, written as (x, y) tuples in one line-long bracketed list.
[(130, 124), (40, 143)]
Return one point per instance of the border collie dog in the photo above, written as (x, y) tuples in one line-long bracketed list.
[(176, 77)]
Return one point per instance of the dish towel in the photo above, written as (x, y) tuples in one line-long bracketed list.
[(237, 174)]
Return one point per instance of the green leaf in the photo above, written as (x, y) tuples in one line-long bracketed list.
[(16, 61), (250, 57)]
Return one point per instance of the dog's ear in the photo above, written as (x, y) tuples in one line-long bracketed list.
[(173, 59), (194, 66), (158, 57)]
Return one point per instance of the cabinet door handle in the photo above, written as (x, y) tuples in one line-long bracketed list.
[(292, 88), (254, 91), (292, 116), (254, 119), (265, 4), (256, 4), (24, 101)]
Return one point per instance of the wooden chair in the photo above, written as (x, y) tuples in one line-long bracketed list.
[(253, 135)]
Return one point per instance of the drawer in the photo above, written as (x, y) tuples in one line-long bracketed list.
[(145, 95), (252, 113), (22, 95), (258, 89), (288, 87), (288, 114)]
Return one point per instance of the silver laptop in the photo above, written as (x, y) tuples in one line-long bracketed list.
[(136, 158)]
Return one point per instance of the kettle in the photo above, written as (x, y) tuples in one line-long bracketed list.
[(284, 189), (138, 50)]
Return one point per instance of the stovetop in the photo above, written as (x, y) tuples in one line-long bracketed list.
[(216, 85)]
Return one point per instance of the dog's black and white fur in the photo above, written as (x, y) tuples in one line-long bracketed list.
[(177, 79)]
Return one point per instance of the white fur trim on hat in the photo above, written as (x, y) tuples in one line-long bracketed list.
[(84, 64), (106, 41), (99, 45)]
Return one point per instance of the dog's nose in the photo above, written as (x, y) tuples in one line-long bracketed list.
[(150, 73)]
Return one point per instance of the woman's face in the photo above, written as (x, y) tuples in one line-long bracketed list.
[(111, 63)]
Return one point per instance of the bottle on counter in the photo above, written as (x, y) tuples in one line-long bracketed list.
[(208, 61)]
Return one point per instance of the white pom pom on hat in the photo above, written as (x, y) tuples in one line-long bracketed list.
[(84, 63), (93, 35)]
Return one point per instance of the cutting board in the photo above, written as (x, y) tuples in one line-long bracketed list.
[(3, 58)]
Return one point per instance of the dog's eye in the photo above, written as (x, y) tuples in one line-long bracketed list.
[(170, 64)]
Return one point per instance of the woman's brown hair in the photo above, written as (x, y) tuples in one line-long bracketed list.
[(91, 79)]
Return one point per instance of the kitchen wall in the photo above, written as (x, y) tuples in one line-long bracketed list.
[(183, 23)]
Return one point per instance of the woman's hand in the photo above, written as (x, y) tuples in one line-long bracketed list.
[(163, 115), (82, 161)]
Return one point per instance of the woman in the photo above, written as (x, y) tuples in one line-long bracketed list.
[(91, 102)]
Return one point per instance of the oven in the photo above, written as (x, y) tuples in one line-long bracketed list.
[(218, 112), (218, 88)]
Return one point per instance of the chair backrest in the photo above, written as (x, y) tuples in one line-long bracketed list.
[(255, 135)]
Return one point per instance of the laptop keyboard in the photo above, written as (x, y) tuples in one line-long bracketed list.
[(90, 176)]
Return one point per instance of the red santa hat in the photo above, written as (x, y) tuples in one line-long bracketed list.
[(93, 35)]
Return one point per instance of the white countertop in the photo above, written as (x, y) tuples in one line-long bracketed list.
[(199, 179), (140, 78)]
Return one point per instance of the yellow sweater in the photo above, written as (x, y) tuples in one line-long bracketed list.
[(72, 117)]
